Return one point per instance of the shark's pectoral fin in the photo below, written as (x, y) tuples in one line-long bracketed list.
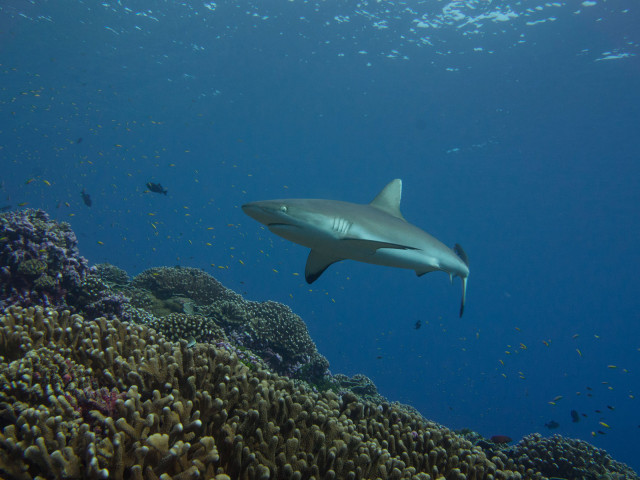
[(370, 246), (317, 263)]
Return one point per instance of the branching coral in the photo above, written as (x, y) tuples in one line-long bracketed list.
[(197, 412)]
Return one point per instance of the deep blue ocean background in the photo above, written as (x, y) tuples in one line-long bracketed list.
[(514, 126)]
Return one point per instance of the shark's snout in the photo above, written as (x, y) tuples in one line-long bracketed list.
[(265, 212), (254, 210)]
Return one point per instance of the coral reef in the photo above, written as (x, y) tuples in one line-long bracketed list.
[(174, 376), (196, 328), (39, 259), (193, 283), (161, 409), (274, 332), (269, 329), (112, 275), (359, 384), (567, 458)]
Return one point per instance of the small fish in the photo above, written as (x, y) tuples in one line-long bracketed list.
[(610, 407), (500, 439), (575, 418), (79, 140), (552, 425), (604, 425), (417, 325), (5, 208), (27, 182), (601, 432), (86, 198), (156, 188)]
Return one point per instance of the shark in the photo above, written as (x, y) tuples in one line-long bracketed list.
[(374, 233)]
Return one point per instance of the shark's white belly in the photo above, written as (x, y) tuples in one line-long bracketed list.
[(390, 257)]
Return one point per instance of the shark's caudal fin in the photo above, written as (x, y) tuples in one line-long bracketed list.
[(463, 256)]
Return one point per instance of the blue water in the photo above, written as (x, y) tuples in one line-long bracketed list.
[(515, 129)]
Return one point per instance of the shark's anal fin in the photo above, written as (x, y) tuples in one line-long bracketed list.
[(317, 263)]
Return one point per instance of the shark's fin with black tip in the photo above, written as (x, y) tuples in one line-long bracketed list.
[(317, 263)]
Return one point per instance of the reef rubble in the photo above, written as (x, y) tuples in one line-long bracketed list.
[(170, 375)]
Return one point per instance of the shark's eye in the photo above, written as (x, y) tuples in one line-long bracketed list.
[(283, 208)]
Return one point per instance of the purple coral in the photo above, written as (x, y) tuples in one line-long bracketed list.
[(40, 259)]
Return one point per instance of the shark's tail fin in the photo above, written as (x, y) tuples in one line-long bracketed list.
[(463, 256)]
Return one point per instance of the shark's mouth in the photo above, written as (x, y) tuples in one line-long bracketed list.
[(281, 225)]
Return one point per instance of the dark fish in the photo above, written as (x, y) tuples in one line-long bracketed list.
[(86, 198), (79, 140), (5, 208), (379, 357), (156, 188), (418, 325), (575, 418), (500, 439), (601, 432), (552, 425), (610, 407), (597, 411)]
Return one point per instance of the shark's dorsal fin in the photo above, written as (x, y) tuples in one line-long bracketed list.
[(388, 200)]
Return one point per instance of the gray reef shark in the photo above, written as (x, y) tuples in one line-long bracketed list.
[(372, 233)]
